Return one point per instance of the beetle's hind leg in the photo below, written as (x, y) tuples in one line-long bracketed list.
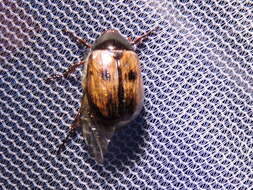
[(72, 132)]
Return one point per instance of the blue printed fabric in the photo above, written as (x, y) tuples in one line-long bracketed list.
[(196, 128)]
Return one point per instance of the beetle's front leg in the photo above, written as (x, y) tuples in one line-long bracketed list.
[(138, 39), (70, 70), (72, 131), (79, 40)]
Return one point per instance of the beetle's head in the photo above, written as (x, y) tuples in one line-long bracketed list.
[(112, 40)]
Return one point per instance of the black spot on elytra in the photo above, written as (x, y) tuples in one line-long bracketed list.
[(105, 75), (132, 75)]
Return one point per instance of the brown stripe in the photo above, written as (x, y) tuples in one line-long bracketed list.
[(120, 89)]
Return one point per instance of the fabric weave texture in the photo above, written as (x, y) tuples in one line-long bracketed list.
[(196, 128)]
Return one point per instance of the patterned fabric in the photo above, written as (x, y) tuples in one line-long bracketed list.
[(196, 128)]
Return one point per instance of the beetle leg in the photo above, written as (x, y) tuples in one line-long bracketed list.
[(138, 39), (70, 70), (75, 125), (130, 40), (79, 40)]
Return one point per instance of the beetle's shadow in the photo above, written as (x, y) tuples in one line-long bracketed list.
[(127, 144)]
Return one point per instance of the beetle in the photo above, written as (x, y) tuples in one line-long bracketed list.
[(113, 89)]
